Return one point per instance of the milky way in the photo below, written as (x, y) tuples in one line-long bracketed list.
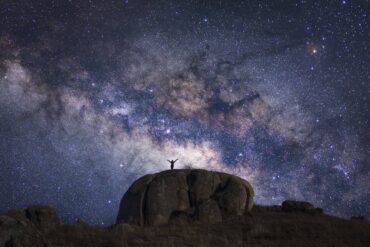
[(94, 94)]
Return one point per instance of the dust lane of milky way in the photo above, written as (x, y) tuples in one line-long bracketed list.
[(94, 94)]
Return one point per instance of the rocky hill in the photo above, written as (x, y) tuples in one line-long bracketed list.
[(189, 208)]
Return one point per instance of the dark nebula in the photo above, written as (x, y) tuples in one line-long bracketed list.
[(95, 93)]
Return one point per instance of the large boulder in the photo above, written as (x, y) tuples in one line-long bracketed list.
[(185, 196)]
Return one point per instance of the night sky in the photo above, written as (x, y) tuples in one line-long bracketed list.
[(94, 94)]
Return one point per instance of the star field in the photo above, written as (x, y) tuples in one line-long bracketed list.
[(94, 94)]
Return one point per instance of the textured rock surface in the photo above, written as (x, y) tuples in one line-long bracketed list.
[(27, 227), (185, 196), (263, 226)]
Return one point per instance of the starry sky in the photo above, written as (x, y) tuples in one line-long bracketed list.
[(94, 94)]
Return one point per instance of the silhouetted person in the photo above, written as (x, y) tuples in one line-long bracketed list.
[(172, 163)]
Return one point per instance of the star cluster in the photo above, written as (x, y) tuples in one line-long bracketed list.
[(94, 94)]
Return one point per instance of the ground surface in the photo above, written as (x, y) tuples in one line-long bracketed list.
[(263, 226)]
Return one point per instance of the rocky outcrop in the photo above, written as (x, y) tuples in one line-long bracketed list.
[(262, 226), (28, 226), (189, 208), (41, 216), (184, 196)]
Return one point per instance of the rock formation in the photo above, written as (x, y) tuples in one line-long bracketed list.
[(183, 196), (204, 209), (27, 227)]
